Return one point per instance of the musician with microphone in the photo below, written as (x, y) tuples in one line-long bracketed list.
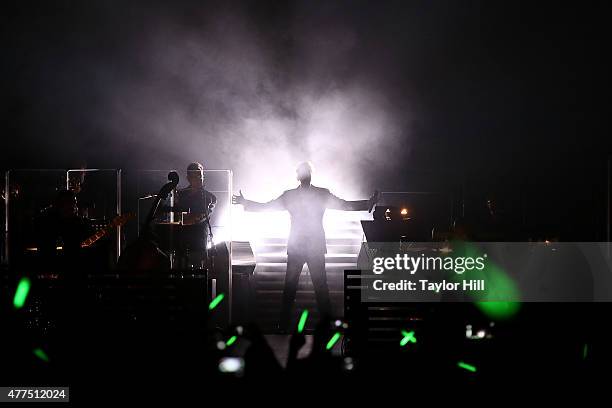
[(194, 199), (196, 205)]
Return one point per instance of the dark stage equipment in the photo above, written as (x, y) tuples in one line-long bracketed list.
[(397, 231), (243, 266)]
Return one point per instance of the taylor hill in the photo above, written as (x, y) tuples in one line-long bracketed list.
[(473, 284)]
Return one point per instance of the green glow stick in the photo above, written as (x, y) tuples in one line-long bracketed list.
[(302, 322), (41, 354), (23, 288), (408, 337), (216, 301), (231, 341), (468, 367), (585, 351), (333, 340)]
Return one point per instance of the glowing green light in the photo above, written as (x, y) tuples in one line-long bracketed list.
[(466, 366), (302, 321), (408, 337), (333, 340), (585, 351), (215, 302), (499, 287), (499, 310), (23, 288), (231, 341), (41, 354)]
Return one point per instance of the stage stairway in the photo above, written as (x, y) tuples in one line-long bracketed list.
[(343, 244)]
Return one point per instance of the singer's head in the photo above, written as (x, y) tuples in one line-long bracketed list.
[(304, 173), (195, 175)]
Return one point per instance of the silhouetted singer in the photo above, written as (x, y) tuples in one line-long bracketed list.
[(306, 205)]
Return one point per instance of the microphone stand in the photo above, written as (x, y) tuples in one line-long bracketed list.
[(162, 195), (210, 233)]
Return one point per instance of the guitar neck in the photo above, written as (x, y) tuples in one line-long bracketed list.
[(98, 235), (117, 222)]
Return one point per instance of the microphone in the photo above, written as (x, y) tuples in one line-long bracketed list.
[(171, 185), (173, 177), (162, 195)]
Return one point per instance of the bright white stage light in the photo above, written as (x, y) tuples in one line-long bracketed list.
[(258, 226)]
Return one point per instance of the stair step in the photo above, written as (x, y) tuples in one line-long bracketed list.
[(305, 288), (282, 267), (331, 273), (342, 240), (304, 280), (273, 257), (268, 281), (331, 249)]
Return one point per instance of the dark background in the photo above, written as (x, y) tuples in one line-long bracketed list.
[(504, 99)]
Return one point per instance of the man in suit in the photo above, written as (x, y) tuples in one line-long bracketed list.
[(306, 205)]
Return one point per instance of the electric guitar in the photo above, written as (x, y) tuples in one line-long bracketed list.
[(116, 222)]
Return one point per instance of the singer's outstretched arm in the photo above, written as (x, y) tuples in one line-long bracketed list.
[(278, 204), (336, 203)]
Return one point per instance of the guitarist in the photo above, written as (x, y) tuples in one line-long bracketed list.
[(61, 226)]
